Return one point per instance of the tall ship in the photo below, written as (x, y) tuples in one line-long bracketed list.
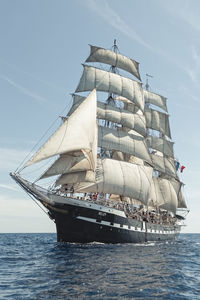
[(115, 175)]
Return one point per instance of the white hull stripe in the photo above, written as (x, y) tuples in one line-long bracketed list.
[(132, 228), (81, 203)]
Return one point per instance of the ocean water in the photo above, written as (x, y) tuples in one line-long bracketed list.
[(35, 266)]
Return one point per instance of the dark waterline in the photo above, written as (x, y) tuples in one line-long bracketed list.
[(35, 266)]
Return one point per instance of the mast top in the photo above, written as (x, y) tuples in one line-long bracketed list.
[(115, 48), (147, 83)]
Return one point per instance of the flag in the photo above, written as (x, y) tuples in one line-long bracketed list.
[(177, 165), (182, 168)]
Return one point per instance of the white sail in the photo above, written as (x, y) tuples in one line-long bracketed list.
[(123, 99), (163, 194), (74, 177), (157, 121), (162, 145), (109, 57), (121, 141), (115, 114), (155, 99), (181, 200), (123, 117), (121, 178), (176, 185), (156, 198), (112, 83), (133, 108), (164, 165), (118, 155), (78, 132), (77, 100), (67, 163)]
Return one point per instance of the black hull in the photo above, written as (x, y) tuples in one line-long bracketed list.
[(81, 221), (84, 225)]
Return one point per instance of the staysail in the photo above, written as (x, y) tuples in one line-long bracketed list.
[(67, 163), (78, 132), (74, 177)]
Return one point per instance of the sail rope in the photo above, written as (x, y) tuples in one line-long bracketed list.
[(21, 166), (38, 205), (184, 190), (32, 197)]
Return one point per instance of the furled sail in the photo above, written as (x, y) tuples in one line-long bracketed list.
[(78, 132), (123, 99), (162, 145), (155, 99), (163, 194), (112, 83), (121, 141), (157, 121), (164, 164), (109, 57), (121, 178)]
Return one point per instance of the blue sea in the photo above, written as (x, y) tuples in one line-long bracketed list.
[(35, 266)]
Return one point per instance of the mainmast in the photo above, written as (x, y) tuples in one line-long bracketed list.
[(116, 50), (110, 100), (113, 69)]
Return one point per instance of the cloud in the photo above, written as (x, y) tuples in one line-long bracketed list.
[(186, 107), (23, 89), (190, 13), (194, 72), (186, 10), (103, 9), (16, 140), (11, 187), (61, 89), (11, 158)]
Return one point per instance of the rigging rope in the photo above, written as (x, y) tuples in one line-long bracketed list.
[(22, 163), (38, 204)]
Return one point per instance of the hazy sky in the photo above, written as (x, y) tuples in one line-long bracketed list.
[(43, 44)]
